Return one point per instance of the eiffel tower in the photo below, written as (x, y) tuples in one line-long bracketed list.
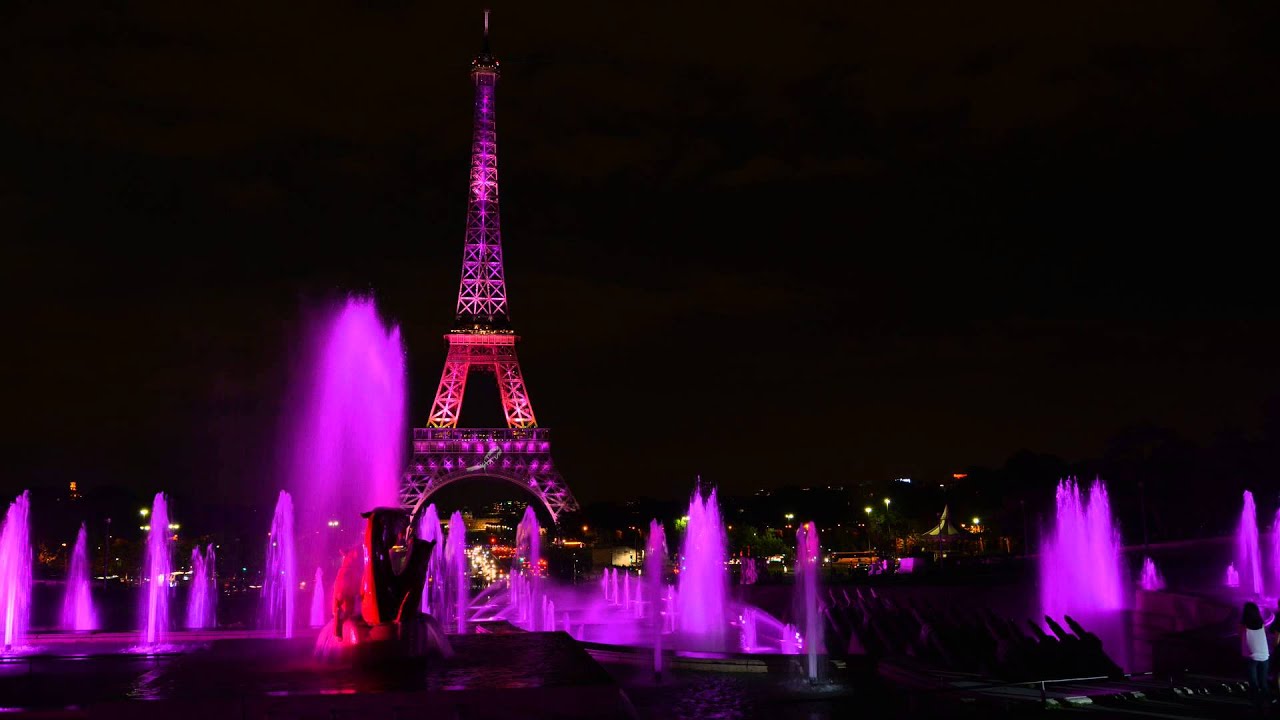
[(482, 340)]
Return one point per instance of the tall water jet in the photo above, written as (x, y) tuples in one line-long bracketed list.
[(15, 572), (1151, 579), (77, 604), (156, 583), (1275, 554), (459, 572), (1080, 558), (279, 585), (701, 599), (201, 593), (808, 568), (345, 450), (1247, 555), (434, 593), (529, 541), (655, 561), (317, 600), (211, 573)]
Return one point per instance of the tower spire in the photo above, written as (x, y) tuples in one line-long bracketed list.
[(482, 294)]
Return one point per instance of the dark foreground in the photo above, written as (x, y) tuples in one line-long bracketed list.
[(508, 676)]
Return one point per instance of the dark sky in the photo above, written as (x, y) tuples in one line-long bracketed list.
[(766, 243)]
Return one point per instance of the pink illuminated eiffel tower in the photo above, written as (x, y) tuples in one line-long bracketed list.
[(482, 340)]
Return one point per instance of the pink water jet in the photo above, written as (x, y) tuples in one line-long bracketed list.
[(317, 600), (1080, 558), (279, 584), (203, 596), (808, 572), (155, 585), (655, 564), (15, 572), (346, 446), (1151, 579), (1247, 553), (434, 592), (702, 595), (77, 604), (1275, 554), (459, 571)]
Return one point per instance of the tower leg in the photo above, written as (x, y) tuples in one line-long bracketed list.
[(453, 382), (515, 398)]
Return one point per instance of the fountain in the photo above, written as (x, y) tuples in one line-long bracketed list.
[(640, 610), (808, 570), (701, 597), (211, 572), (434, 598), (317, 600), (1080, 558), (655, 562), (1275, 554), (77, 603), (1151, 579), (459, 572), (279, 584), (346, 444), (1233, 577), (1247, 553), (204, 592), (529, 541), (15, 572), (156, 583)]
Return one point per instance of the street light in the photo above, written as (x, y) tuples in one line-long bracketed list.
[(887, 530), (144, 512), (976, 521)]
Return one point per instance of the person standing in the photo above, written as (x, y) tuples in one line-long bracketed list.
[(1256, 651)]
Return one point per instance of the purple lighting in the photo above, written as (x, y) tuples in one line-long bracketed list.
[(455, 551), (346, 442), (1080, 561), (155, 588), (1151, 579), (77, 604), (279, 585), (203, 597), (15, 572), (1275, 554), (808, 570), (701, 600), (1247, 554)]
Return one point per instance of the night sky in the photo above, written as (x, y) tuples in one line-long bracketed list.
[(769, 244)]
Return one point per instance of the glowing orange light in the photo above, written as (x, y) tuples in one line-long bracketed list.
[(959, 476)]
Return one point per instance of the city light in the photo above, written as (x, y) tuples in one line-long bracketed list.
[(976, 521), (144, 512), (333, 523), (175, 526), (867, 509), (886, 503), (790, 516)]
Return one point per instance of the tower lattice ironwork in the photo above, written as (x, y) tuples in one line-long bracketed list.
[(482, 340)]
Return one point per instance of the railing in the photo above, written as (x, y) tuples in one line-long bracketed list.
[(1044, 683), (473, 434)]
